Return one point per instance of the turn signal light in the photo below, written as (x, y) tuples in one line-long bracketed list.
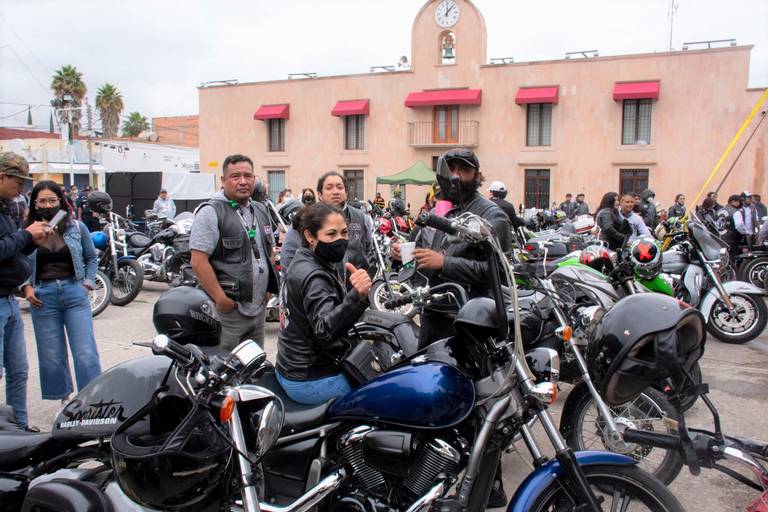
[(544, 392), (227, 408), (565, 333)]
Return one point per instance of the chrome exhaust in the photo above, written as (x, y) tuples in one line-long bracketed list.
[(424, 503), (312, 497)]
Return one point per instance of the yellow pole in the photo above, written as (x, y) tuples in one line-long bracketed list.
[(719, 163)]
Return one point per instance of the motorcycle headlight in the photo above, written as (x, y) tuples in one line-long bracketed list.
[(246, 357), (267, 423)]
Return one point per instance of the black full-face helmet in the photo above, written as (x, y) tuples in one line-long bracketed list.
[(187, 315), (289, 209), (100, 202), (642, 341), (397, 206), (174, 459)]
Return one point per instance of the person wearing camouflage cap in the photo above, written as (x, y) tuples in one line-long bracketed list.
[(15, 245)]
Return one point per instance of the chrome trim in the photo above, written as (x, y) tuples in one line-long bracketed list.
[(250, 498), (249, 392), (424, 503), (446, 450), (732, 453), (321, 431), (270, 425), (309, 499), (355, 435)]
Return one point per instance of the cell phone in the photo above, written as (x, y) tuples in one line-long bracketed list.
[(57, 219)]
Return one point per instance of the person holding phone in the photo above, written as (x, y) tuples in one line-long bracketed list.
[(62, 274)]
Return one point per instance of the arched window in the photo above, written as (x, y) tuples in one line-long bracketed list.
[(447, 48)]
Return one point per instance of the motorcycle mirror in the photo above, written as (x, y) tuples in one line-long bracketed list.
[(406, 274)]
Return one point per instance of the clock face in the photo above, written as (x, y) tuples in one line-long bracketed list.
[(447, 13)]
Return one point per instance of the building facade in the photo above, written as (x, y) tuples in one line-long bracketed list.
[(177, 130), (587, 125)]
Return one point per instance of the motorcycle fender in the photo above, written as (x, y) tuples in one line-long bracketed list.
[(123, 258), (693, 279), (569, 407), (713, 296), (529, 491)]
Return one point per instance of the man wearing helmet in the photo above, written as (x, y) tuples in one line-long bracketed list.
[(497, 193), (231, 245)]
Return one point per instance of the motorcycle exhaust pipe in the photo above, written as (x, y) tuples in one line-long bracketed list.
[(424, 503), (312, 497)]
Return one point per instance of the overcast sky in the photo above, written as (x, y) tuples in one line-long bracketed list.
[(158, 51)]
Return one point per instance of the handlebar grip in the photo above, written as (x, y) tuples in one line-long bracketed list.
[(163, 345), (402, 300), (655, 439), (433, 221)]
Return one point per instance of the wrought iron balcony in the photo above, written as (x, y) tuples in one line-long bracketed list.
[(424, 134)]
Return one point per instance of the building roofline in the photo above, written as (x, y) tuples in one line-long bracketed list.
[(674, 53)]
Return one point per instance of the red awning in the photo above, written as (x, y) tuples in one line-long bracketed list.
[(444, 97), (351, 108), (271, 112), (527, 95), (636, 91)]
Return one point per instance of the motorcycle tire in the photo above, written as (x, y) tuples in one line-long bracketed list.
[(754, 329), (755, 272), (126, 282), (378, 295), (650, 402), (100, 295), (612, 483)]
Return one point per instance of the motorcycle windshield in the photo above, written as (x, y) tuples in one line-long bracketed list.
[(710, 245)]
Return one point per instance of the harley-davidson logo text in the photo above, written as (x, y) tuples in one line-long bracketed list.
[(99, 413)]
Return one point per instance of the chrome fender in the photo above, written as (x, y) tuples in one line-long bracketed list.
[(539, 480), (730, 287), (693, 279)]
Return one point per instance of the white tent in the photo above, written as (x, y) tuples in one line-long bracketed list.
[(185, 185)]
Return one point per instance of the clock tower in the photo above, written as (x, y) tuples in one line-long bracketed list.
[(448, 33)]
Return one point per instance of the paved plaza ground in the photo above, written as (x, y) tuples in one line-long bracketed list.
[(738, 376)]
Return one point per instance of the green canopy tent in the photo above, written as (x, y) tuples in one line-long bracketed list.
[(417, 174)]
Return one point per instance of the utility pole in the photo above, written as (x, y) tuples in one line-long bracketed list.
[(66, 135), (89, 115)]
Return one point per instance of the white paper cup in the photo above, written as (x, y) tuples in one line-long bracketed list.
[(406, 252)]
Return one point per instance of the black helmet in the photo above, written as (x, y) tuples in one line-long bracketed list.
[(477, 319), (176, 461), (259, 193), (187, 315), (643, 340), (397, 206), (100, 202), (289, 209), (596, 257)]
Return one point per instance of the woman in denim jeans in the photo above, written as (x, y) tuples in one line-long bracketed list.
[(62, 274)]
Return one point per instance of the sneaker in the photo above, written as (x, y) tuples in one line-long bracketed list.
[(30, 428), (498, 497)]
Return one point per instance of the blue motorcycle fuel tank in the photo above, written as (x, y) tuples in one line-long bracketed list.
[(431, 395)]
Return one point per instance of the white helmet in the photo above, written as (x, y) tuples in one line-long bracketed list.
[(497, 186)]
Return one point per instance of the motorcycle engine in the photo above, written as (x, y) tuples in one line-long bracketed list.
[(379, 456), (157, 251)]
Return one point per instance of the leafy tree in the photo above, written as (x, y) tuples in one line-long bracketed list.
[(134, 125), (109, 101), (69, 81)]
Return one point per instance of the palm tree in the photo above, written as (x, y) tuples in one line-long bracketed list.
[(109, 101), (134, 125), (69, 81)]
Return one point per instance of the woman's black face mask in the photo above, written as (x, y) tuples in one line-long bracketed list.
[(48, 213), (308, 199), (331, 252)]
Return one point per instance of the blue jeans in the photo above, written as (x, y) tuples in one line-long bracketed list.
[(65, 306), (13, 355), (314, 392)]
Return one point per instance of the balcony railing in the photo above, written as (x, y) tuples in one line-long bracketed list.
[(423, 134)]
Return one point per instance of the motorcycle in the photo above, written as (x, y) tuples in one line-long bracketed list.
[(99, 296), (426, 435), (125, 272), (164, 257)]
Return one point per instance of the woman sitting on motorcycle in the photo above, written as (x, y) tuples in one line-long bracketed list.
[(317, 309), (613, 228)]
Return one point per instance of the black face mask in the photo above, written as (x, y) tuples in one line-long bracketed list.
[(308, 199), (48, 213), (332, 252)]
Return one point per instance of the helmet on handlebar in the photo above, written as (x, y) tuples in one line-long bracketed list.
[(187, 315), (100, 240), (596, 257), (642, 341), (645, 257), (100, 202), (177, 461)]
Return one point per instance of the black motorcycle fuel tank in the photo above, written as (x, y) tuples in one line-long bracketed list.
[(111, 398)]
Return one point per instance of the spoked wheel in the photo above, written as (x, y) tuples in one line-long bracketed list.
[(379, 295), (756, 272), (126, 284), (625, 488), (99, 296), (648, 412), (748, 322)]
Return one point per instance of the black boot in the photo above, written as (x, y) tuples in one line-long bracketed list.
[(497, 498)]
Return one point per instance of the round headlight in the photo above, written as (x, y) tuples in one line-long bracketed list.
[(269, 422)]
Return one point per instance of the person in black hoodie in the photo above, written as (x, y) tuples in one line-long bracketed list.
[(648, 209), (613, 229), (317, 309)]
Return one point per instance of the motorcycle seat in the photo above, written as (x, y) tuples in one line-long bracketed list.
[(138, 240), (386, 319), (298, 417), (17, 446)]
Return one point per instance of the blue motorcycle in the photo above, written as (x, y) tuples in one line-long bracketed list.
[(427, 435)]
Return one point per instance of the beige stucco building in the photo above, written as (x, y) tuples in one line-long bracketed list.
[(544, 128)]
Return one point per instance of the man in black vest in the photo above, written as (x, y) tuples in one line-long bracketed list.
[(231, 245)]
